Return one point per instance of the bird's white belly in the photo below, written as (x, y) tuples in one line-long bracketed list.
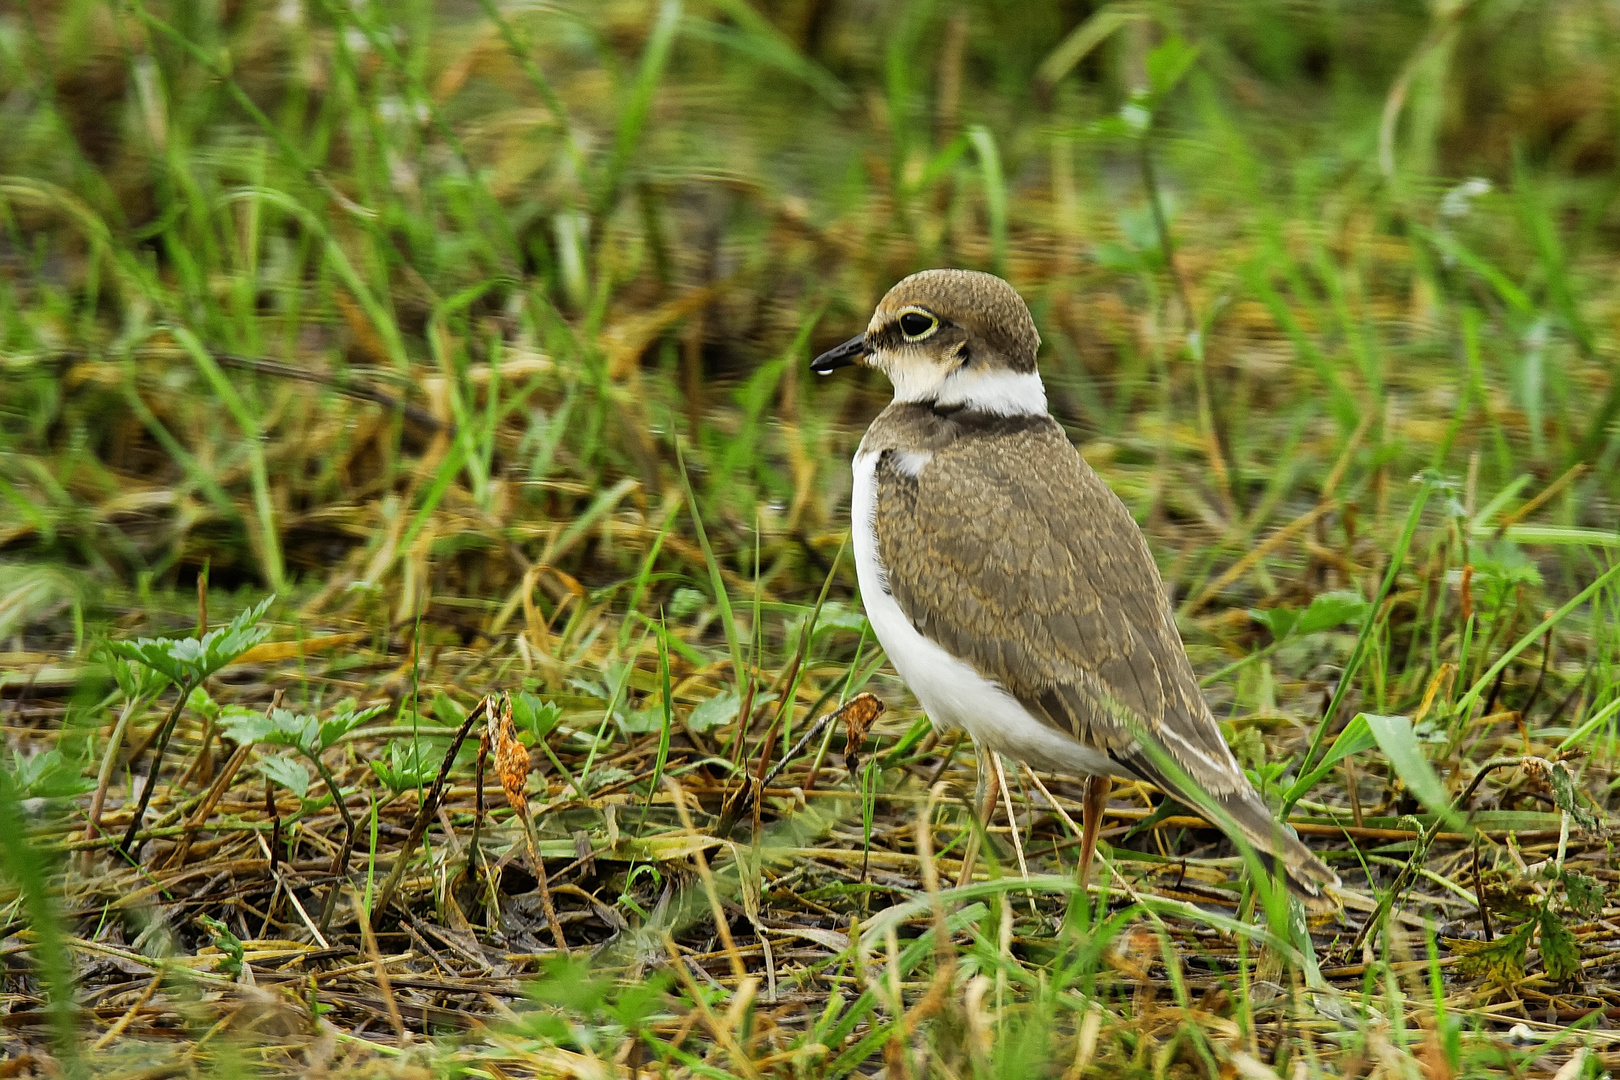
[(950, 690)]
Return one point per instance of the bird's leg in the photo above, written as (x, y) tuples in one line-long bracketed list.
[(1091, 814), (985, 793)]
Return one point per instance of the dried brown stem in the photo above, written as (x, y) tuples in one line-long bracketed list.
[(424, 814)]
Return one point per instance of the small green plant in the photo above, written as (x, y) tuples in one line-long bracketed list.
[(411, 764), (311, 737), (230, 946), (185, 663), (48, 775), (533, 716), (1326, 611), (591, 1013)]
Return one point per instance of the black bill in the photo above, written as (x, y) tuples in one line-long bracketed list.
[(842, 356)]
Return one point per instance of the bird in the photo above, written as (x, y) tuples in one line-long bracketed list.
[(1011, 588)]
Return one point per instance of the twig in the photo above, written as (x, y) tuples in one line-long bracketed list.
[(1420, 852), (370, 941), (950, 755), (1012, 822), (1254, 555), (722, 1035), (340, 861), (127, 844), (1535, 692), (538, 865), (745, 795), (722, 925), (424, 814), (274, 813), (123, 1021), (215, 793)]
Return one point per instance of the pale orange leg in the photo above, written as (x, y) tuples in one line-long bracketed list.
[(987, 790), (1091, 815)]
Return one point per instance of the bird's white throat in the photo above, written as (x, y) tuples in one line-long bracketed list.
[(999, 391)]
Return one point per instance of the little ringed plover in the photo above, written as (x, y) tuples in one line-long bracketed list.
[(1010, 587)]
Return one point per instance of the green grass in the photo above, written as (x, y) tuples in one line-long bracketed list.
[(478, 335)]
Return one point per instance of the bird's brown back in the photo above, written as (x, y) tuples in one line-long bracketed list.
[(1011, 553)]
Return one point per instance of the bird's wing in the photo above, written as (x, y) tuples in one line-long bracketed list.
[(1011, 554), (1031, 570)]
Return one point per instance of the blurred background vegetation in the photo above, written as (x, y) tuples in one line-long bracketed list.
[(566, 236), (473, 328)]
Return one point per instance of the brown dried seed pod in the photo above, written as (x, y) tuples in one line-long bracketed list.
[(511, 757), (860, 713)]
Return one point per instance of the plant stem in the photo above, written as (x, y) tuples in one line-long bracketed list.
[(164, 734), (340, 864), (424, 813), (104, 776)]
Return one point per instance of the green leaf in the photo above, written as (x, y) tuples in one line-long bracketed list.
[(188, 661), (1331, 609), (49, 775), (1583, 894), (686, 603), (1405, 753), (287, 728), (641, 721), (1356, 737), (343, 722), (641, 1001), (720, 709), (608, 775), (1501, 960), (158, 654), (1560, 952), (220, 647), (135, 680), (282, 727), (567, 984), (448, 712), (1249, 747), (1509, 894), (200, 703), (1562, 786), (1169, 63), (229, 945), (246, 726), (1326, 611), (1279, 620), (288, 771), (410, 765), (535, 716)]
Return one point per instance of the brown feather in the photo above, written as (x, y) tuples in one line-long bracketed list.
[(1007, 550)]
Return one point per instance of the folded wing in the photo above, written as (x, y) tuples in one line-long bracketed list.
[(1041, 580)]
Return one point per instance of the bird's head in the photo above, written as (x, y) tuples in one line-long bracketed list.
[(950, 338)]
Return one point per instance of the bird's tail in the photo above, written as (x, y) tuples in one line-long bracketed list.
[(1280, 847), (1273, 839)]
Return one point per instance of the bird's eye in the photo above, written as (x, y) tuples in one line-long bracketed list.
[(917, 325)]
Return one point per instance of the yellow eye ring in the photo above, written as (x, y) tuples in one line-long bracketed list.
[(917, 324)]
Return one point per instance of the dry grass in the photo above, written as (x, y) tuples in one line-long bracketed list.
[(482, 346)]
